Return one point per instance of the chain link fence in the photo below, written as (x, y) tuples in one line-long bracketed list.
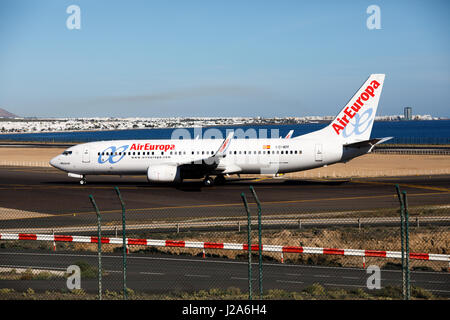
[(200, 252)]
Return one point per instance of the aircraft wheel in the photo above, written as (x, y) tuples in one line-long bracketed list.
[(220, 180), (83, 181), (208, 181)]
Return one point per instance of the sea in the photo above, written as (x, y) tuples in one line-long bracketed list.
[(403, 132)]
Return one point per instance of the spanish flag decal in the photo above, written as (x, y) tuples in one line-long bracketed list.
[(267, 146)]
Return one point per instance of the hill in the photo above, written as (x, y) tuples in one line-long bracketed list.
[(6, 114)]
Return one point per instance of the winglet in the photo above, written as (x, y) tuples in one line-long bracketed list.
[(289, 135), (225, 144)]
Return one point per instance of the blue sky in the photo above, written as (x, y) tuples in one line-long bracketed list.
[(220, 58)]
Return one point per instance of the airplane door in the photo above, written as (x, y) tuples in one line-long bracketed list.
[(86, 158), (319, 152)]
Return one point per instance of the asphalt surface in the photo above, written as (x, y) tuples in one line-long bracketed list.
[(165, 273), (67, 202)]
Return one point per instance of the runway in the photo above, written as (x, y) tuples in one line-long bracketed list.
[(166, 273), (66, 202)]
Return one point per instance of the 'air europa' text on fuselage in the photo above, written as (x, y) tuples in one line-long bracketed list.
[(149, 146)]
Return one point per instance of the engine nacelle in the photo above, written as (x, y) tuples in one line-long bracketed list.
[(163, 173)]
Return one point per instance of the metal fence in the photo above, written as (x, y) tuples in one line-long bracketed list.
[(326, 254)]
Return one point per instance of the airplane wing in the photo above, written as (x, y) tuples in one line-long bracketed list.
[(210, 163)]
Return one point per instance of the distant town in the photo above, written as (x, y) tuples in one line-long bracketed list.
[(30, 125)]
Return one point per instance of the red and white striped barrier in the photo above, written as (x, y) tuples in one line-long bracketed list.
[(226, 246)]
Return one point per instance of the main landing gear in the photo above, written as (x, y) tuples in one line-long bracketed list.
[(83, 180), (208, 181), (218, 180)]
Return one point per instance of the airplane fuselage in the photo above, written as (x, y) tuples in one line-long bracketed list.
[(246, 156)]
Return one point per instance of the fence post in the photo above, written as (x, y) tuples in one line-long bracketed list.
[(99, 246), (124, 244), (402, 236), (260, 243), (54, 243), (249, 246), (408, 282)]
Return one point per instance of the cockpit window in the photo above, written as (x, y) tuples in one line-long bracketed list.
[(66, 153)]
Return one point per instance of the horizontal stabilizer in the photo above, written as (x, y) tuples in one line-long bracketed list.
[(367, 143)]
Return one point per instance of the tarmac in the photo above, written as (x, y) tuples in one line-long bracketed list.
[(45, 197)]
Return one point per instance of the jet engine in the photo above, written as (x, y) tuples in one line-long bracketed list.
[(163, 173)]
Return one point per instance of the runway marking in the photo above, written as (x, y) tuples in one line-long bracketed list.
[(153, 273), (402, 185), (321, 276), (398, 280), (197, 275), (287, 281), (344, 285), (237, 278), (261, 179)]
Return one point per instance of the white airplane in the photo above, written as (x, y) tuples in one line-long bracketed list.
[(346, 137)]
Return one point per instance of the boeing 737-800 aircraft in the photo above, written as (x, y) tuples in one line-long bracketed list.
[(346, 137)]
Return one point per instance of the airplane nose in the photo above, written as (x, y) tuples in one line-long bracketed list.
[(53, 162)]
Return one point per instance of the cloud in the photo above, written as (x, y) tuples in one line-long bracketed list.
[(198, 92)]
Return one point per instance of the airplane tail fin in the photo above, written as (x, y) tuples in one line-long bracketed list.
[(354, 122)]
